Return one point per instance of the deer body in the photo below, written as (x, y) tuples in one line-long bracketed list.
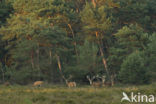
[(107, 84), (71, 84), (6, 84), (38, 83), (96, 84)]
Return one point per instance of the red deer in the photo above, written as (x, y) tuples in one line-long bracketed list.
[(70, 84), (94, 83), (38, 83), (6, 84), (98, 83)]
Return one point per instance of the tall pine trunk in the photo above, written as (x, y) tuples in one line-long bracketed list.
[(3, 77), (32, 64), (60, 68), (70, 27), (50, 57), (38, 61), (94, 3), (102, 54)]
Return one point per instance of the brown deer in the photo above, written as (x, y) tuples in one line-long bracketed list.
[(94, 83), (99, 83), (103, 79), (38, 83), (6, 84), (108, 84), (70, 84)]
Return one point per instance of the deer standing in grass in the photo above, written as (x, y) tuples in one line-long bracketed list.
[(70, 84), (6, 84), (38, 83), (97, 83), (94, 83), (104, 83)]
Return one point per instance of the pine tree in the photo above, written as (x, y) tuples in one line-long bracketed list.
[(96, 27), (133, 70)]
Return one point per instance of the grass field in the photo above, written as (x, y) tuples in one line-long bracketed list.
[(64, 95)]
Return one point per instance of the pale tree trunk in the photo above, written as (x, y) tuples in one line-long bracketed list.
[(94, 3), (59, 66), (70, 27), (32, 60), (50, 56), (102, 55), (38, 61), (112, 79), (32, 64)]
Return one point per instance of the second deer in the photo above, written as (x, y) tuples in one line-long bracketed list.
[(97, 83), (70, 84)]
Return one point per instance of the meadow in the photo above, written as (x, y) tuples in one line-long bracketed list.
[(63, 95)]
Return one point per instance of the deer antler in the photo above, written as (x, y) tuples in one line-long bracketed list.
[(102, 78), (91, 79)]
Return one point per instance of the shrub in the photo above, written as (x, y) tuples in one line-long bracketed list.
[(133, 70)]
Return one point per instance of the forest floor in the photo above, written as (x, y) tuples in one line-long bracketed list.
[(63, 95)]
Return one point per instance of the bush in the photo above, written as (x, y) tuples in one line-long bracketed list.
[(133, 70)]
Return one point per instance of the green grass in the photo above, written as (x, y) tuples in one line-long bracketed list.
[(64, 95)]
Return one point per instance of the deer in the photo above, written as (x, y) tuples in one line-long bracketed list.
[(99, 83), (103, 79), (38, 83), (6, 84), (104, 83), (94, 83), (70, 84)]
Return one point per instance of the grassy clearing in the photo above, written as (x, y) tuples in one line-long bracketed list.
[(64, 95)]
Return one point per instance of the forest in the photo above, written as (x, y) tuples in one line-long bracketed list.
[(59, 40)]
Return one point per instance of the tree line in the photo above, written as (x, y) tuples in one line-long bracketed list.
[(52, 39)]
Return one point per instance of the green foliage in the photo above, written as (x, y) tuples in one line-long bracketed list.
[(140, 11), (86, 61), (151, 54), (87, 37), (5, 10), (95, 20), (132, 37), (133, 69)]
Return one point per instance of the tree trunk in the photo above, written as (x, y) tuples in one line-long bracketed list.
[(32, 60), (38, 61), (3, 77), (112, 80), (59, 66), (50, 56), (102, 54), (73, 38), (32, 64), (94, 3)]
